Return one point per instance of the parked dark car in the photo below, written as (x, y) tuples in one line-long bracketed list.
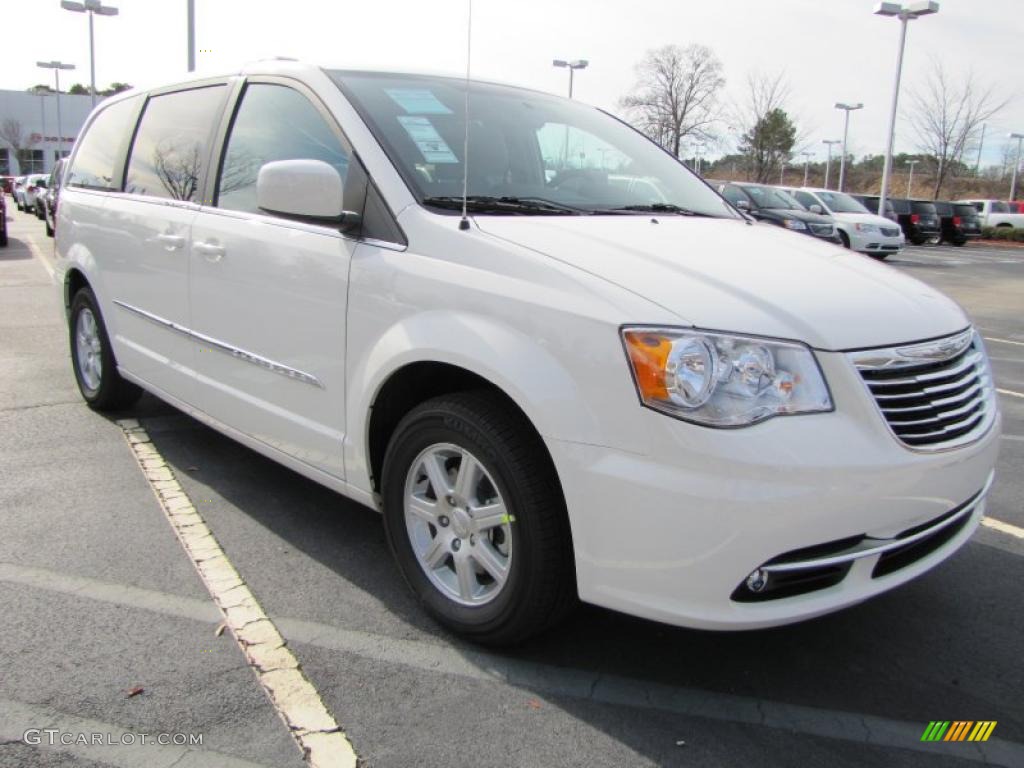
[(6, 185), (778, 207), (871, 203), (52, 196), (3, 221), (919, 219), (959, 222)]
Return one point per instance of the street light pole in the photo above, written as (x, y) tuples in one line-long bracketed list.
[(828, 161), (848, 108), (191, 35), (904, 13), (1016, 166), (91, 7), (56, 66), (807, 160), (910, 178), (572, 66)]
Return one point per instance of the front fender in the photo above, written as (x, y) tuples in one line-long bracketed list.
[(537, 380)]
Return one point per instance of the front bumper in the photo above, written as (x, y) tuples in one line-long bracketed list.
[(671, 535), (874, 242)]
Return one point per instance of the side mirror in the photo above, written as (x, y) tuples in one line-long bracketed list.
[(743, 205), (816, 209), (306, 189)]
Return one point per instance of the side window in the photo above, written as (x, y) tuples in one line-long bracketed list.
[(275, 122), (99, 157), (169, 155), (805, 199), (733, 194)]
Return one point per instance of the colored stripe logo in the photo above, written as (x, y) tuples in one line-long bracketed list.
[(958, 730)]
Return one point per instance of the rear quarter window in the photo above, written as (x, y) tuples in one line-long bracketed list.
[(99, 158)]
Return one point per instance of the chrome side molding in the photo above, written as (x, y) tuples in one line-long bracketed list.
[(223, 346)]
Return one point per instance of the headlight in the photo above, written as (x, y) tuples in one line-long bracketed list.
[(723, 380), (869, 228), (793, 224)]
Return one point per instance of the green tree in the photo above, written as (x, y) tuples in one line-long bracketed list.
[(115, 88), (768, 144), (78, 90)]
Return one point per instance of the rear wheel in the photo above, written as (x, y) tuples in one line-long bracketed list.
[(93, 359), (476, 519)]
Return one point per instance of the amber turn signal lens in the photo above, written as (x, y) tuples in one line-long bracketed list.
[(648, 352)]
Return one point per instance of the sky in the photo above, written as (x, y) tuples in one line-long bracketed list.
[(829, 50)]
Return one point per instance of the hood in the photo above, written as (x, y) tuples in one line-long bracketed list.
[(728, 275), (864, 218), (795, 213)]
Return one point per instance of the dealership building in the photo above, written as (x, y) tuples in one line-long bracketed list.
[(34, 117)]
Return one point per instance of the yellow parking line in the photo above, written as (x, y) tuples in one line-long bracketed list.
[(1004, 341), (290, 692), (999, 525)]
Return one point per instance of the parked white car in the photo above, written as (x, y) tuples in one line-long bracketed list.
[(35, 184), (667, 410), (997, 213), (860, 229)]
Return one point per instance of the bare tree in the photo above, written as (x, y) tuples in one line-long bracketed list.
[(768, 133), (12, 132), (676, 95), (177, 167), (947, 116)]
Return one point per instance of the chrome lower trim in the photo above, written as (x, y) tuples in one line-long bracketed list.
[(870, 547), (241, 354)]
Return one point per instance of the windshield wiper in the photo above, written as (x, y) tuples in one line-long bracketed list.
[(663, 208), (503, 204)]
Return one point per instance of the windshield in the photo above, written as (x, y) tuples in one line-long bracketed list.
[(524, 147), (840, 203), (769, 197), (963, 209), (926, 208)]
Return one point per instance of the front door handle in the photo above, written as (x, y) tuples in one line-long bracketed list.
[(209, 251)]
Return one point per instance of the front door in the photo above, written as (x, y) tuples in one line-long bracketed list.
[(269, 294)]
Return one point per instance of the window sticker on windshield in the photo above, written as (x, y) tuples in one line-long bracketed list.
[(427, 139), (417, 101)]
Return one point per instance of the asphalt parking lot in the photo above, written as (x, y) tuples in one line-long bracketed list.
[(99, 600)]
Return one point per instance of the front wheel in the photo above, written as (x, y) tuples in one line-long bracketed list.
[(476, 520), (92, 358), (845, 238)]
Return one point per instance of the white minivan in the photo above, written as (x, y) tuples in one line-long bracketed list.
[(860, 229), (576, 391)]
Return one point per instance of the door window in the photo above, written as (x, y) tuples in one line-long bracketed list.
[(805, 199), (275, 122), (171, 148)]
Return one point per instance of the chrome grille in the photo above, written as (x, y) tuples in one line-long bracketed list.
[(890, 231), (933, 395)]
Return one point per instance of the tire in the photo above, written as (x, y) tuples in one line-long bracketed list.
[(532, 539), (959, 242), (917, 240), (879, 256), (102, 389), (845, 238), (3, 236), (49, 229)]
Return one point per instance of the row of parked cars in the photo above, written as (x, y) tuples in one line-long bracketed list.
[(850, 220), (36, 193)]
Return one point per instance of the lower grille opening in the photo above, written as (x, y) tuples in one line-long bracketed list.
[(791, 583), (895, 559)]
